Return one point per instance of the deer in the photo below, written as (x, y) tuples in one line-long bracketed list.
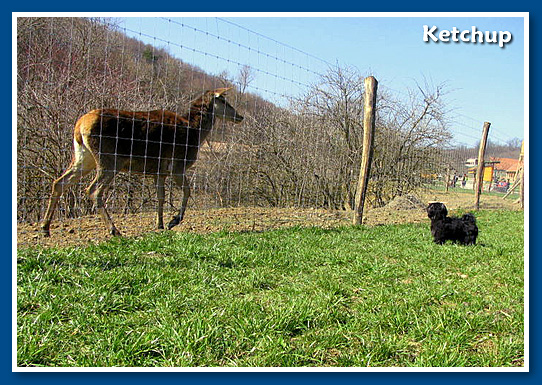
[(158, 142)]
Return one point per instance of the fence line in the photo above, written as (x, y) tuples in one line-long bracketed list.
[(299, 146)]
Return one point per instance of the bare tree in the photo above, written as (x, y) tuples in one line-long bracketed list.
[(410, 135), (244, 78), (305, 154)]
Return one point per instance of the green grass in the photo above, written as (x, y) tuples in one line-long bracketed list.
[(352, 296)]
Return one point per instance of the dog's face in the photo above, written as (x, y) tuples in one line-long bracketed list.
[(436, 210)]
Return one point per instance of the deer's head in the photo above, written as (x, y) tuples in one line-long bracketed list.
[(220, 106)]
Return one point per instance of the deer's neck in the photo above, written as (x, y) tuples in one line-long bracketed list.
[(200, 121)]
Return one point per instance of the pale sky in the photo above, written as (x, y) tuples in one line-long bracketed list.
[(486, 82)]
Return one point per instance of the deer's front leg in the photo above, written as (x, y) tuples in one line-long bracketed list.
[(161, 195), (182, 182)]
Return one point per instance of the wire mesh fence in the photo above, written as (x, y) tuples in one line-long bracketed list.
[(298, 146)]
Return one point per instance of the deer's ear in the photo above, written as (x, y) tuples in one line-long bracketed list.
[(220, 91)]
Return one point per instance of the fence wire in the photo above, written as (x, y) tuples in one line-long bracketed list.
[(299, 145)]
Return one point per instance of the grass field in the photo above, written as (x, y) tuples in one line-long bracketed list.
[(350, 296)]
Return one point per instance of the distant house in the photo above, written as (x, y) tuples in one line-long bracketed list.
[(506, 168), (503, 168)]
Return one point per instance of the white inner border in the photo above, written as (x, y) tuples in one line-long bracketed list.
[(15, 15)]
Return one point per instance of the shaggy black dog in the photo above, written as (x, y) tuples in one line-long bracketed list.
[(444, 228)]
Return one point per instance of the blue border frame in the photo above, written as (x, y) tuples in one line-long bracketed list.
[(535, 34)]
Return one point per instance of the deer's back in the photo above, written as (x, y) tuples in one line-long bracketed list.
[(140, 141)]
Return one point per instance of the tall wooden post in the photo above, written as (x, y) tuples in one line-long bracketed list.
[(480, 168), (519, 179), (522, 183), (521, 198), (447, 181), (368, 134)]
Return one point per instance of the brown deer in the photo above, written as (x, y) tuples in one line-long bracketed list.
[(157, 142)]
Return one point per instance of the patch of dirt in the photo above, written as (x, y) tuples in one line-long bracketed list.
[(406, 209), (406, 202)]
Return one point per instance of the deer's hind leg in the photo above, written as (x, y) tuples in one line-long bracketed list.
[(96, 191), (80, 166)]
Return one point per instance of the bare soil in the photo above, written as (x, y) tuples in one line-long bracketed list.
[(406, 209)]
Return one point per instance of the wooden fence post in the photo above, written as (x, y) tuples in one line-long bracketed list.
[(519, 179), (480, 168), (521, 164), (521, 198), (368, 133)]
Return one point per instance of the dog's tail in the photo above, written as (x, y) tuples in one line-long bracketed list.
[(469, 217)]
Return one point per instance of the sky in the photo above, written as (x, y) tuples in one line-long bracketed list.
[(485, 82)]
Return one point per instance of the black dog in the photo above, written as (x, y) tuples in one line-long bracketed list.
[(444, 228)]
